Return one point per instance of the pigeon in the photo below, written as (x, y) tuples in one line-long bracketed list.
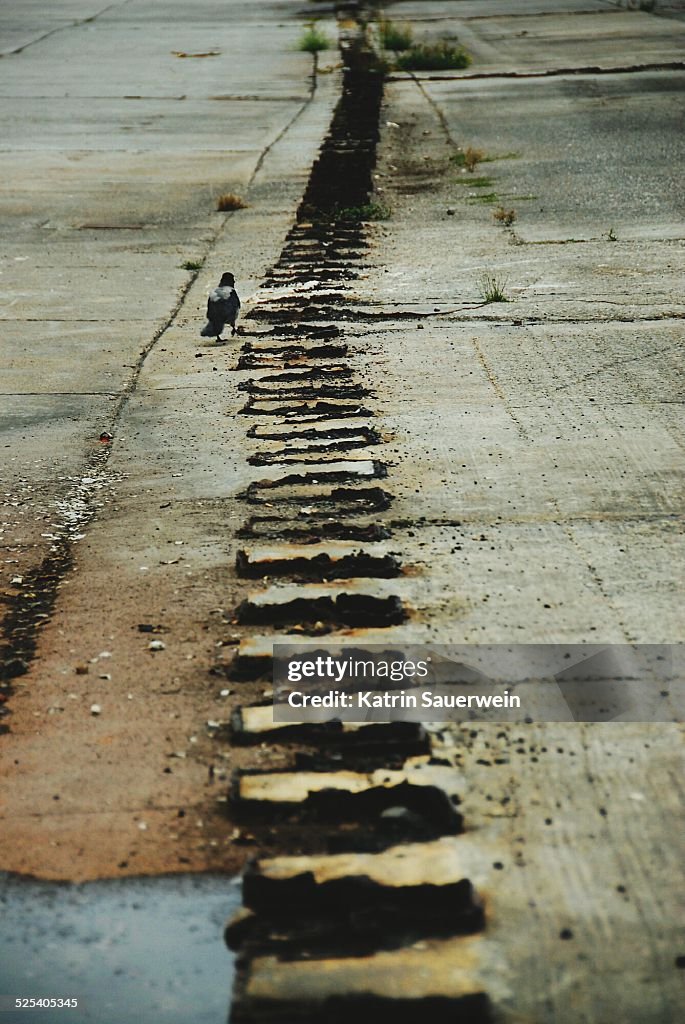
[(222, 308)]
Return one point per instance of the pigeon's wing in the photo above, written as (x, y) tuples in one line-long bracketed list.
[(223, 305), (230, 304), (215, 306)]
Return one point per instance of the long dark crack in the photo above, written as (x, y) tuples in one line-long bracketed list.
[(29, 605)]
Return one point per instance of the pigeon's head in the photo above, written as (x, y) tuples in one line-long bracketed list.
[(227, 279)]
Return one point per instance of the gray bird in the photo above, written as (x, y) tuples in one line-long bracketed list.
[(222, 308)]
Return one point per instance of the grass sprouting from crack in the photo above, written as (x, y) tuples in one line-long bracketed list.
[(503, 216), (230, 201), (442, 56), (393, 36), (373, 210), (492, 288), (469, 158), (313, 39), (367, 211)]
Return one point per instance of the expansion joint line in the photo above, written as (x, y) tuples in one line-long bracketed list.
[(315, 549), (65, 28)]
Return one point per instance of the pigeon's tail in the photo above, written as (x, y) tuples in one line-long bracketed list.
[(209, 330)]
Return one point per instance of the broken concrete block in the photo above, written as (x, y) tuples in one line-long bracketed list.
[(445, 982), (361, 801), (255, 724), (277, 881), (346, 901), (365, 603), (330, 560)]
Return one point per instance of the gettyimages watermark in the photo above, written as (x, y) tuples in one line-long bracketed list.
[(317, 682)]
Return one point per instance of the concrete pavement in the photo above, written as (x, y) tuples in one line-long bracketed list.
[(552, 435), (116, 148), (538, 457), (534, 462)]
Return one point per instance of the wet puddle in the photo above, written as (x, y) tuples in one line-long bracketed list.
[(145, 950)]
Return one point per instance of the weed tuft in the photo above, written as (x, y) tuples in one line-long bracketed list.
[(504, 217), (230, 201), (442, 56), (492, 288), (373, 210), (393, 36), (611, 235), (192, 265), (472, 157), (469, 158), (367, 211), (313, 39)]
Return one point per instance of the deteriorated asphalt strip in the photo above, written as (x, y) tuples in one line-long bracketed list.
[(373, 914)]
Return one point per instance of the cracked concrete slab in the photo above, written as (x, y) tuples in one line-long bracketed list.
[(555, 418), (440, 863), (83, 306), (456, 974), (542, 38)]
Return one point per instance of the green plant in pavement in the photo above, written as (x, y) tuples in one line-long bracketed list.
[(313, 39), (442, 56), (393, 36), (504, 217), (492, 288)]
